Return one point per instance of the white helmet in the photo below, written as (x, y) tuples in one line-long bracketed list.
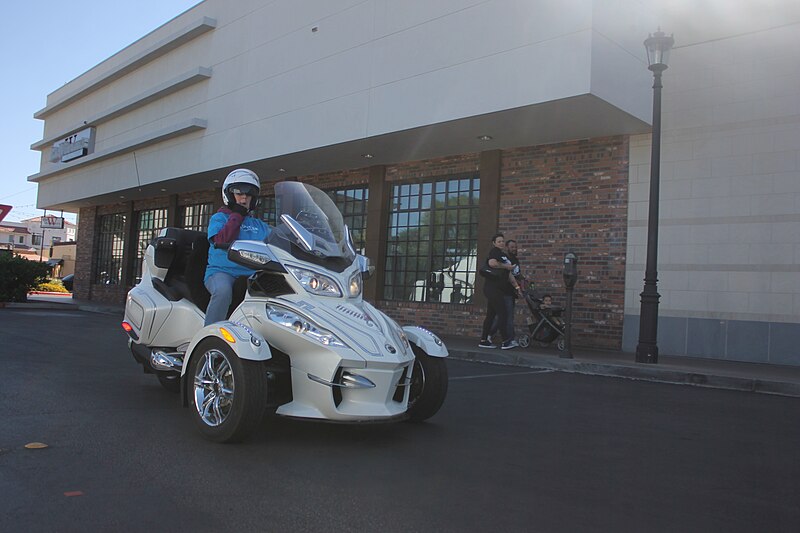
[(243, 181)]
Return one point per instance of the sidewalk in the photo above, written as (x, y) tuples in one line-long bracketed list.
[(701, 372)]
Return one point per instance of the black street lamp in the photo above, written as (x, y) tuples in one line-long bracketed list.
[(658, 46)]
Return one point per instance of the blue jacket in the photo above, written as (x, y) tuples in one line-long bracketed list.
[(226, 227)]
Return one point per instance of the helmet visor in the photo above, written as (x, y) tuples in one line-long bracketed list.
[(243, 188)]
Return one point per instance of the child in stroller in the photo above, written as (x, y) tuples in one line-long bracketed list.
[(545, 324)]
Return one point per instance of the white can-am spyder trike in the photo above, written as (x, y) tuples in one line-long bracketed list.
[(299, 342)]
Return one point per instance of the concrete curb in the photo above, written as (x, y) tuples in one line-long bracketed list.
[(675, 376)]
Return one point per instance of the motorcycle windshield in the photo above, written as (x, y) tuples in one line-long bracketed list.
[(314, 210)]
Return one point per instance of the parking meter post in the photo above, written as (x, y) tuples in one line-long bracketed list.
[(570, 279)]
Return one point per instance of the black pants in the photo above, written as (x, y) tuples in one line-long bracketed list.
[(497, 308)]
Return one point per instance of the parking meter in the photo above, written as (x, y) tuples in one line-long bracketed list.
[(570, 270), (570, 279)]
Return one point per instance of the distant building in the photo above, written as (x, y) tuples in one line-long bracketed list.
[(48, 236), (16, 234)]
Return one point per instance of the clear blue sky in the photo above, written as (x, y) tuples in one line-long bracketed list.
[(45, 45)]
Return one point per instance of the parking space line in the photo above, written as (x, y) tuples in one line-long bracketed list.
[(541, 371)]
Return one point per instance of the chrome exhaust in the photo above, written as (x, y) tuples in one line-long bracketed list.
[(349, 380), (164, 361)]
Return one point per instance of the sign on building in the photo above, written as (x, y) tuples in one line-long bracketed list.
[(52, 222), (77, 145)]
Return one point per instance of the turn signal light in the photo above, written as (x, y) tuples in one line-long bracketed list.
[(127, 327), (227, 335)]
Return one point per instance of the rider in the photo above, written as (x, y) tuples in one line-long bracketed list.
[(232, 222)]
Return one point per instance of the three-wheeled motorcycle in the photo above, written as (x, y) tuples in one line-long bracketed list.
[(299, 340)]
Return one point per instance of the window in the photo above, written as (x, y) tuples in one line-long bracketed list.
[(353, 205), (110, 246), (22, 240), (432, 243), (150, 223), (267, 210), (196, 216)]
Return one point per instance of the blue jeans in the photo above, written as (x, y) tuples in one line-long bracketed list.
[(508, 328), (220, 285)]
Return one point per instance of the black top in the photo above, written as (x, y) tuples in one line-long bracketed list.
[(499, 284)]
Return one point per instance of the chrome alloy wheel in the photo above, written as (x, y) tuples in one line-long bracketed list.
[(214, 388)]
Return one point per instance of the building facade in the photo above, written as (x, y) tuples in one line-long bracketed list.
[(434, 125)]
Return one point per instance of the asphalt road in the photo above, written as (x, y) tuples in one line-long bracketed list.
[(513, 449)]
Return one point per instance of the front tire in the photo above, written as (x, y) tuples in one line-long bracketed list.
[(428, 386), (228, 394)]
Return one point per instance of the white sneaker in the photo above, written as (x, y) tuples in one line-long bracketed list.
[(509, 344)]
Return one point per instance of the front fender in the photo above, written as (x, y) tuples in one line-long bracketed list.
[(426, 340), (247, 343)]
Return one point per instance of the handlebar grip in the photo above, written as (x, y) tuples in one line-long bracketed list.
[(222, 246)]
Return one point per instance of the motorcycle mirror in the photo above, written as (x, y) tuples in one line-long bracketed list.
[(251, 254), (367, 270)]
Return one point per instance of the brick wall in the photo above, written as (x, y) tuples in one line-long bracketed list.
[(572, 197), (555, 198)]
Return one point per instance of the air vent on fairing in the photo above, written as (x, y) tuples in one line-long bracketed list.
[(400, 391), (269, 284)]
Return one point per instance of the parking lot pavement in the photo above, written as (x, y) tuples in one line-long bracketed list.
[(513, 449)]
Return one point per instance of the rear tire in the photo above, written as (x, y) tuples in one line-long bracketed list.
[(227, 394), (428, 387)]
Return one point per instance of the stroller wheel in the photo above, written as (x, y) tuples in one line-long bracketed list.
[(561, 345), (524, 340)]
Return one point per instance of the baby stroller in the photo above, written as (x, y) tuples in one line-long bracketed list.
[(545, 324)]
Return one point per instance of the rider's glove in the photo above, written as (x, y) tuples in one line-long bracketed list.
[(237, 208)]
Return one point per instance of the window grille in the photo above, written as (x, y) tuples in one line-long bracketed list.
[(352, 202), (432, 243), (196, 216), (109, 248), (150, 223)]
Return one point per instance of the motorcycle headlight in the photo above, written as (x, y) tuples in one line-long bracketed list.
[(315, 283), (355, 285), (302, 325)]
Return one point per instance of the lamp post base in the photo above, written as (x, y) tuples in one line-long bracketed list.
[(647, 353)]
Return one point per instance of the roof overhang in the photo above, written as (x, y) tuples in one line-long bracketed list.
[(578, 117)]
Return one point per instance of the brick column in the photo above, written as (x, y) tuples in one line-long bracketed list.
[(84, 254), (174, 212), (490, 164), (129, 250), (377, 222)]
